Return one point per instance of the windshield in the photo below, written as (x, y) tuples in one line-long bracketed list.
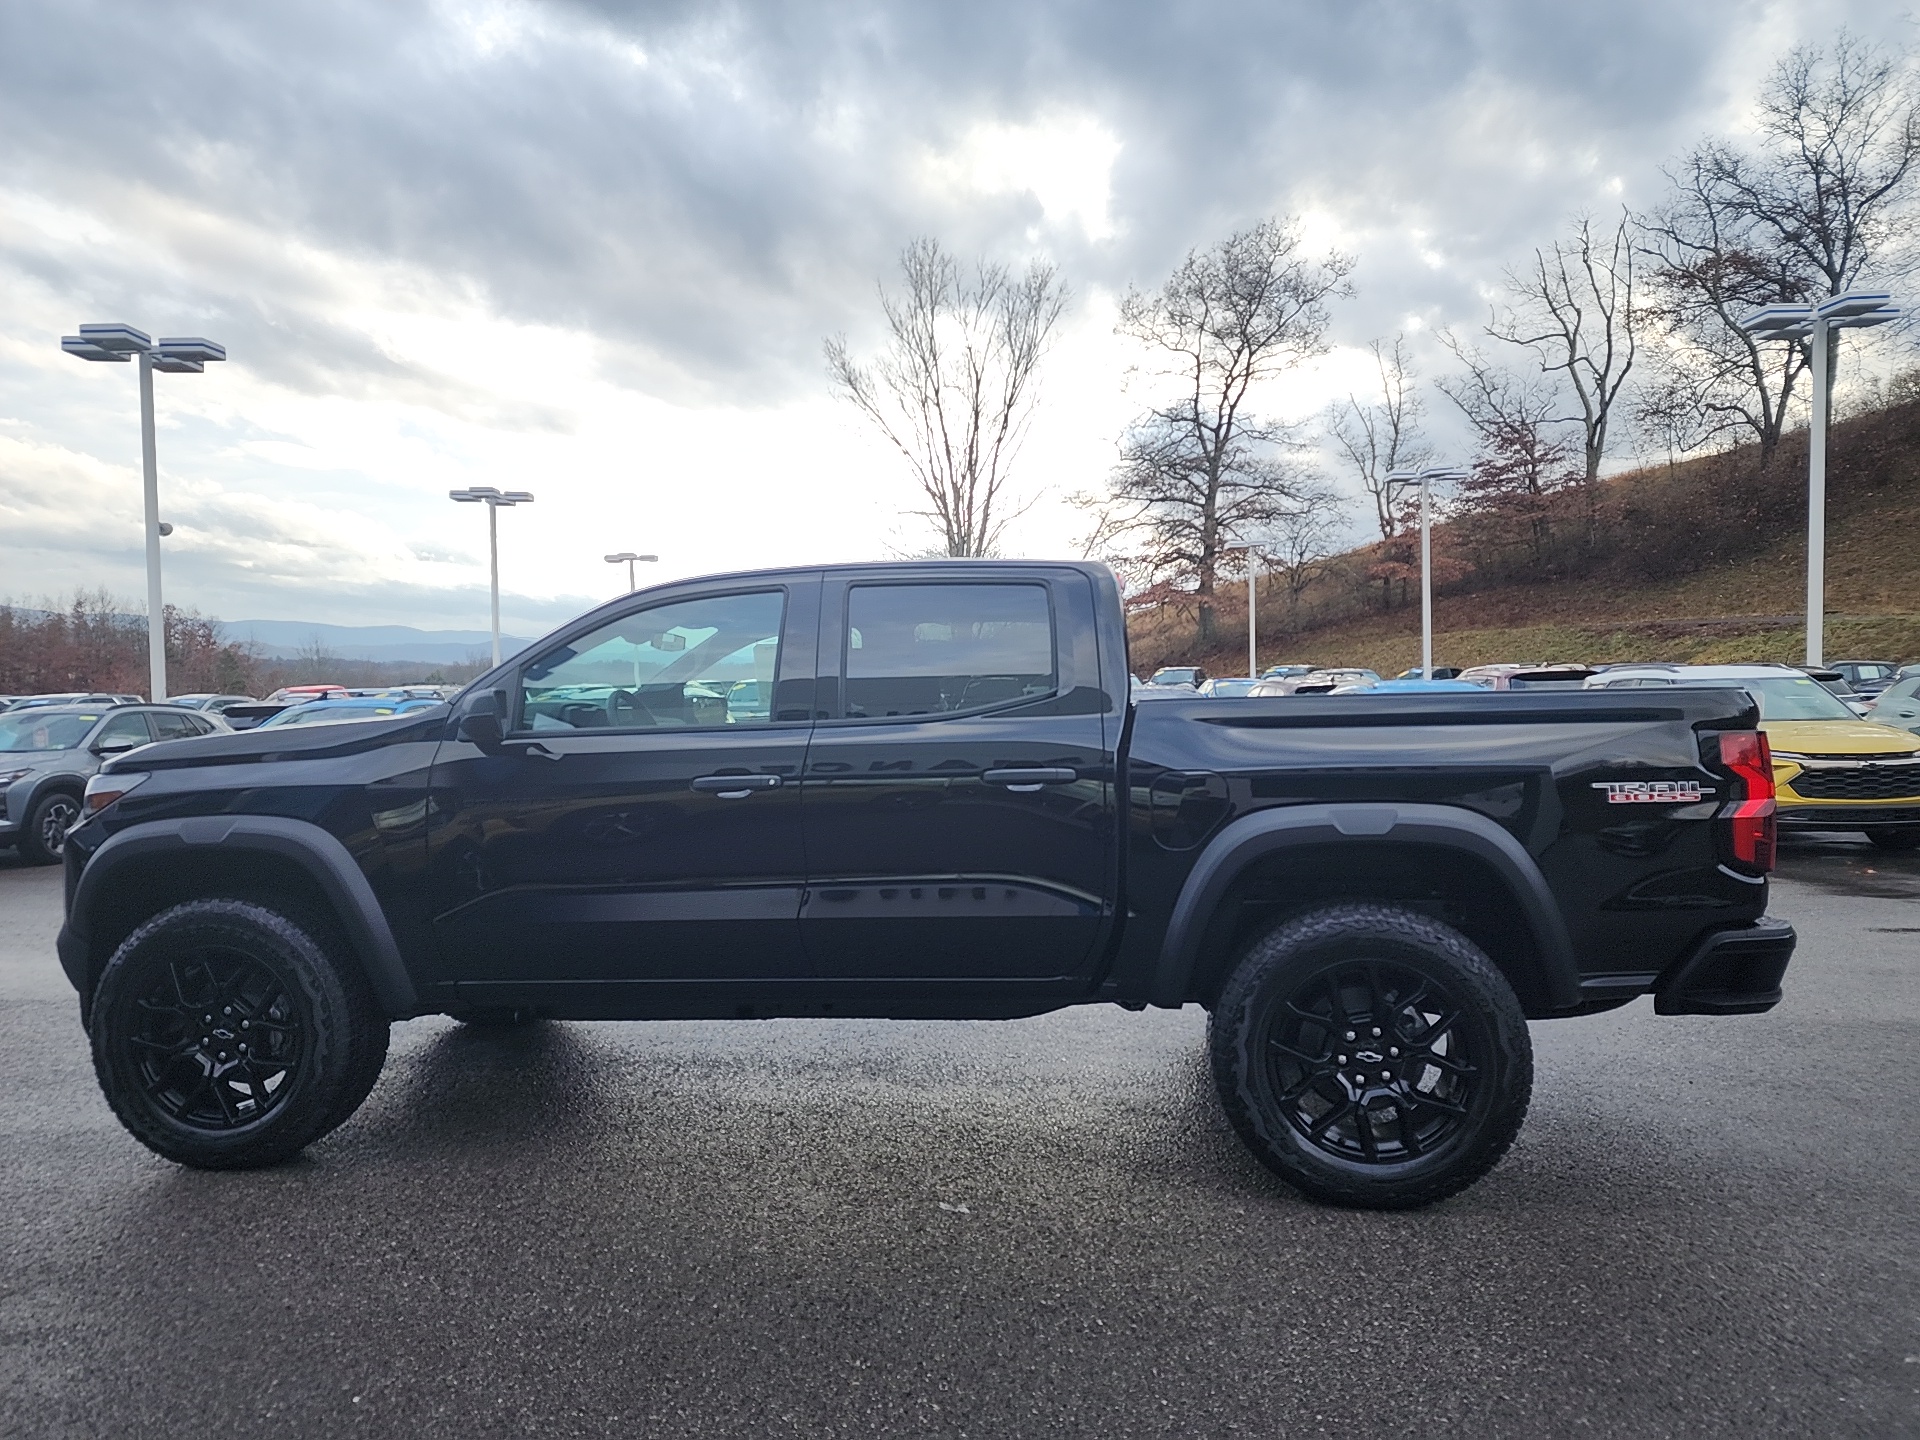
[(1799, 697), (31, 731), (1231, 687)]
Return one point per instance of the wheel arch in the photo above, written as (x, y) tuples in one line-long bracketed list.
[(145, 868), (1291, 858)]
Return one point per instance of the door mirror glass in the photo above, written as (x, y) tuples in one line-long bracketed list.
[(690, 663)]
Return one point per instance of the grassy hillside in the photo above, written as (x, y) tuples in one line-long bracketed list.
[(1747, 608)]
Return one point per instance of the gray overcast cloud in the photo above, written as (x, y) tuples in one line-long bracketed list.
[(594, 247)]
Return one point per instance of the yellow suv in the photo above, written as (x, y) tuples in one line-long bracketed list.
[(1831, 769)]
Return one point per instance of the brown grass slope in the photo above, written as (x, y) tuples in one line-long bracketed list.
[(1744, 599)]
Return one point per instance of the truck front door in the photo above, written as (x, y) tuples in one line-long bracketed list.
[(958, 793), (642, 823)]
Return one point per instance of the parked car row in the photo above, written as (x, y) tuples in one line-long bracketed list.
[(51, 745)]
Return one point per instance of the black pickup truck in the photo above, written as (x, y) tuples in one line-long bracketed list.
[(921, 790)]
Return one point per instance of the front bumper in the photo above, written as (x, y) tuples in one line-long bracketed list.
[(1730, 972), (1802, 815)]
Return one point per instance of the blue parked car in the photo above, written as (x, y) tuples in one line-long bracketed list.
[(333, 712)]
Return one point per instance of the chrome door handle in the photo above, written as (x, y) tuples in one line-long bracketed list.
[(734, 787), (1026, 780)]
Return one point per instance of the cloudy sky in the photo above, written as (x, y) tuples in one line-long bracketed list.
[(591, 249)]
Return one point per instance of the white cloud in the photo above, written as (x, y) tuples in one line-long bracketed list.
[(590, 250), (1063, 160)]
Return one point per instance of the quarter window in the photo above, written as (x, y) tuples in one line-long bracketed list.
[(934, 649), (700, 662), (176, 727)]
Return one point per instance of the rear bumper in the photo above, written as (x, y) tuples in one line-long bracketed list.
[(1730, 972)]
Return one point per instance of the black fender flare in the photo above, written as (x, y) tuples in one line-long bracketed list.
[(321, 855), (1288, 827)]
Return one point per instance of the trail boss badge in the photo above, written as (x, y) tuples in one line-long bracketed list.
[(1652, 792)]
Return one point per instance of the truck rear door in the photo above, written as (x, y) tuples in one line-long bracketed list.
[(958, 805)]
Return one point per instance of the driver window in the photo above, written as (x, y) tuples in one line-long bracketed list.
[(698, 662)]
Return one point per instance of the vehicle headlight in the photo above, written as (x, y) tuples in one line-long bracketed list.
[(7, 777), (103, 789)]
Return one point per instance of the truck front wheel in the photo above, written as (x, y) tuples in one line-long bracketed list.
[(228, 1036), (1371, 1056)]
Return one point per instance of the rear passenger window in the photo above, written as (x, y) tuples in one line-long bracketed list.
[(175, 727), (935, 649)]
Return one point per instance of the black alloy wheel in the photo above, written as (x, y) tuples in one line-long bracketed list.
[(1374, 1061), (43, 840), (217, 1038), (1372, 1056), (227, 1035)]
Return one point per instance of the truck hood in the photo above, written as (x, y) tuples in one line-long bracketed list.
[(1838, 737), (286, 742)]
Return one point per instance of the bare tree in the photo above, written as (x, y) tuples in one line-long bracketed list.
[(956, 387), (1524, 454), (1202, 471), (1709, 269), (1840, 137), (1380, 436), (1574, 309), (1815, 207), (1298, 544)]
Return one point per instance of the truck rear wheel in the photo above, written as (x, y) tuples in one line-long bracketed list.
[(1371, 1056), (226, 1036)]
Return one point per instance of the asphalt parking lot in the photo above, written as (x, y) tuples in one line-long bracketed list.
[(1708, 1227)]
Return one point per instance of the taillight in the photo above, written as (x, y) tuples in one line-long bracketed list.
[(1753, 826)]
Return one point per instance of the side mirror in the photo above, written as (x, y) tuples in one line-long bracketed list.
[(114, 747), (480, 722)]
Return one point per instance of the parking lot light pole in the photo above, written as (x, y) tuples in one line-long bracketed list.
[(1425, 479), (1815, 325), (630, 558), (493, 499), (177, 355), (1253, 631)]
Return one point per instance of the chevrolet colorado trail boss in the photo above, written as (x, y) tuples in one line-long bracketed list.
[(921, 790)]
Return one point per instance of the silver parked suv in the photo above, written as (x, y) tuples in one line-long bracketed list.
[(48, 754)]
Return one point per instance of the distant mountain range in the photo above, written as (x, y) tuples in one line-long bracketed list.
[(288, 638)]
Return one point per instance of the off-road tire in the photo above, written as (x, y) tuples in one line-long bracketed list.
[(186, 989), (35, 845), (1396, 1130), (1895, 837)]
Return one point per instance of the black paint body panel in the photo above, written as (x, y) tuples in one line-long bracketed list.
[(899, 867)]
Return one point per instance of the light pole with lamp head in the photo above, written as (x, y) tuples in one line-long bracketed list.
[(1815, 324), (1426, 479), (629, 557), (176, 355), (493, 499)]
